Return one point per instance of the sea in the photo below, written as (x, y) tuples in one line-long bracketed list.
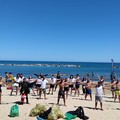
[(88, 69)]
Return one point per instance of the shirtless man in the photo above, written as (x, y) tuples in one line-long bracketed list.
[(61, 91), (117, 90), (88, 87)]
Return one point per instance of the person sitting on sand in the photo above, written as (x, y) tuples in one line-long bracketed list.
[(61, 91), (98, 95)]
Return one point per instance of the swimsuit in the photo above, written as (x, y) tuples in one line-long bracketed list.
[(77, 85), (0, 88)]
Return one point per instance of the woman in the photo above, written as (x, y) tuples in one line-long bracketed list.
[(0, 88), (84, 81), (77, 86)]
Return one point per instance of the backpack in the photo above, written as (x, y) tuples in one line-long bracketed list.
[(80, 113), (14, 111)]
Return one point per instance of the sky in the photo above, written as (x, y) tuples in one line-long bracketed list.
[(60, 30)]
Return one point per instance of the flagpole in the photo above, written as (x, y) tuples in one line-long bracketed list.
[(112, 66)]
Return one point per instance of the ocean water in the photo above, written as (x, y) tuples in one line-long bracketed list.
[(81, 68)]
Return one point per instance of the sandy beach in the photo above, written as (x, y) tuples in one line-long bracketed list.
[(111, 109)]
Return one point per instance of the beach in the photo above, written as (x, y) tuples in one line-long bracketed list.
[(110, 111)]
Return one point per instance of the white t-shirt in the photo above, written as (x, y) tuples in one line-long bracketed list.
[(99, 91), (17, 79), (53, 80), (44, 84), (73, 80), (39, 81)]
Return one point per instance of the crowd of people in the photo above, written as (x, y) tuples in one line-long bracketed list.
[(65, 86)]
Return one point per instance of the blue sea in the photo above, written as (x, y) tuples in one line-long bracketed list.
[(48, 67)]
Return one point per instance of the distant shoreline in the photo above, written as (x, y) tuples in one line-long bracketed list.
[(47, 65)]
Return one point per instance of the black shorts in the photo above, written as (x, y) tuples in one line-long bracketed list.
[(61, 93), (38, 85), (70, 86), (66, 88), (52, 86), (77, 86)]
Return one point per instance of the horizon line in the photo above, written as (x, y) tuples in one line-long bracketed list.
[(58, 61)]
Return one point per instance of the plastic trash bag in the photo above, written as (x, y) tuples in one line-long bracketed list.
[(55, 113), (37, 110), (52, 116), (14, 111)]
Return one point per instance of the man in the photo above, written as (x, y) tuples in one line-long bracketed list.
[(25, 89), (98, 95), (117, 90), (61, 91), (43, 87)]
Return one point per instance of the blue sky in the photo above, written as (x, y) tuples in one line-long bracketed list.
[(60, 30)]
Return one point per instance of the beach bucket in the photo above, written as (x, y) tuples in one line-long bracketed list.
[(23, 96)]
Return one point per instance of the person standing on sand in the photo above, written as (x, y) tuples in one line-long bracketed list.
[(101, 79), (72, 83), (25, 89), (58, 76), (66, 87), (7, 79), (15, 85), (77, 86), (0, 88), (113, 87), (43, 87), (88, 87), (117, 90), (98, 95), (52, 84), (61, 92), (84, 81)]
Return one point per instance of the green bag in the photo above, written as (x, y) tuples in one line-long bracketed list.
[(14, 111), (69, 116)]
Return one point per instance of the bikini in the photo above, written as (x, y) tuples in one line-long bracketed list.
[(0, 88)]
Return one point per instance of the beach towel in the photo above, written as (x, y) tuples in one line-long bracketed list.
[(14, 111)]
